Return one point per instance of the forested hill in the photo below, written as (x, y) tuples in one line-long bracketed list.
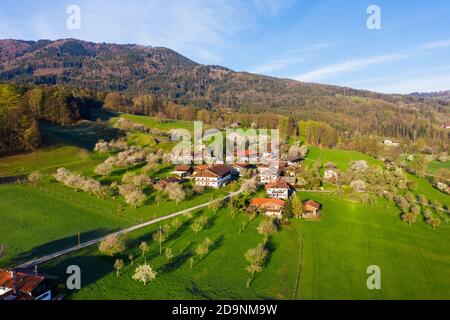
[(133, 70), (136, 69)]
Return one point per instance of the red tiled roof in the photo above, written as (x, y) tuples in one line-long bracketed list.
[(313, 204), (279, 184), (183, 168), (218, 170), (24, 282), (263, 201), (169, 180), (201, 167)]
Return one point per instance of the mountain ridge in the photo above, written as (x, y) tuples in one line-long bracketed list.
[(135, 68)]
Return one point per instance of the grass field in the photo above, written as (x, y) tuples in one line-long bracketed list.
[(330, 256), (163, 125), (324, 259), (436, 165), (341, 158), (46, 160)]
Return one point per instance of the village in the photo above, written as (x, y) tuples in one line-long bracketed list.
[(280, 185)]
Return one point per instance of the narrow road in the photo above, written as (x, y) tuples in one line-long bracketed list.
[(86, 244)]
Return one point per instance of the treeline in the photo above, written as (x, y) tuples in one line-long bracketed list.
[(19, 130), (22, 108), (417, 129)]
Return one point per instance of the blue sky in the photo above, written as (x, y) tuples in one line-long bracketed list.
[(323, 41)]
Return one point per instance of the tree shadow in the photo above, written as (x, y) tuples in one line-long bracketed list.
[(57, 245), (195, 290), (83, 135)]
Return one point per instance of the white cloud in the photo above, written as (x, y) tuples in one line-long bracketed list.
[(347, 66), (437, 45), (288, 58), (421, 84)]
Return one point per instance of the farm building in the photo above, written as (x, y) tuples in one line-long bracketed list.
[(164, 182), (279, 189), (311, 209), (215, 176), (21, 284), (183, 171), (272, 207)]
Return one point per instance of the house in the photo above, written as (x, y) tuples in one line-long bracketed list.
[(446, 126), (248, 155), (215, 176), (164, 182), (269, 175), (311, 209), (330, 174), (279, 189), (183, 171), (200, 168), (20, 284), (272, 207)]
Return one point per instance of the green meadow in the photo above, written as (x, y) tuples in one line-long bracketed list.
[(326, 259)]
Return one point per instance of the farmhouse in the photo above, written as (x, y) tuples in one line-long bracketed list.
[(311, 209), (164, 182), (278, 189), (215, 176), (24, 285), (271, 207), (183, 171)]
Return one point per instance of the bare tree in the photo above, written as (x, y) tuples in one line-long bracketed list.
[(118, 265), (144, 247), (112, 245), (267, 228), (159, 236), (256, 257), (175, 192), (34, 178)]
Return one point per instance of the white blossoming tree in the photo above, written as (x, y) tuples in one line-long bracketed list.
[(144, 273)]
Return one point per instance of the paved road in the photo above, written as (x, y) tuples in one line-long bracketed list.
[(55, 255)]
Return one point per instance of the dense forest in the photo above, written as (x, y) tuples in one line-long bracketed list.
[(58, 81)]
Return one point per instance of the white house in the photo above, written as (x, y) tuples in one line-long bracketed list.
[(214, 176), (279, 189)]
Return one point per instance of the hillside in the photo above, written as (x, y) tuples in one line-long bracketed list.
[(137, 69), (134, 70), (441, 95)]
